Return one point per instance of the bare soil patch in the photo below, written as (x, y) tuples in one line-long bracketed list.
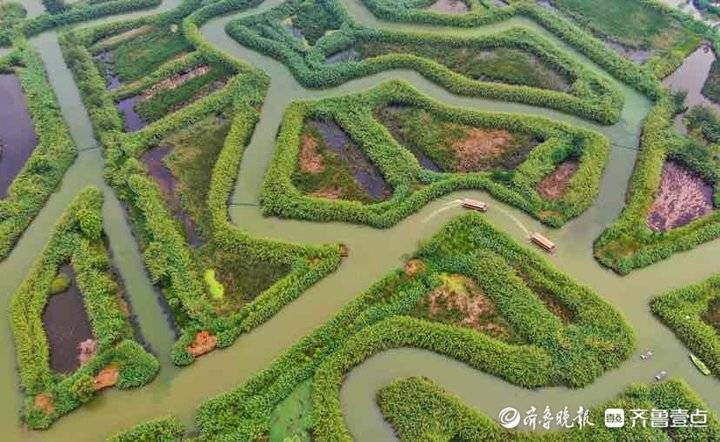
[(683, 196), (203, 343), (554, 186), (107, 377)]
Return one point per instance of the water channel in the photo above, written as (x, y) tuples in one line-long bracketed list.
[(181, 391)]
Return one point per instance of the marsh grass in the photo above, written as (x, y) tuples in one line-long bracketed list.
[(505, 65), (140, 56)]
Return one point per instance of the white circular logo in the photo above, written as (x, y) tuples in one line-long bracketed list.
[(509, 417)]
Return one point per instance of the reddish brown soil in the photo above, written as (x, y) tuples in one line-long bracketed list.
[(310, 159), (414, 266), (175, 81), (479, 146), (203, 343), (107, 377), (683, 197), (331, 193), (554, 186), (44, 402)]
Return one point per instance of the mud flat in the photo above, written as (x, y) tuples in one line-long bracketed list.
[(132, 122), (17, 135), (153, 161), (683, 197), (105, 60), (364, 171), (449, 7), (67, 325)]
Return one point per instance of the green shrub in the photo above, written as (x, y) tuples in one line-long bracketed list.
[(551, 353), (414, 186), (217, 291), (164, 429), (59, 284), (419, 409), (683, 310), (110, 324)]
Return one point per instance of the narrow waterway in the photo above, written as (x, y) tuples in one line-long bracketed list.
[(181, 391)]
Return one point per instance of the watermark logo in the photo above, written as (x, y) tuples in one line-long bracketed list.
[(509, 417), (614, 418)]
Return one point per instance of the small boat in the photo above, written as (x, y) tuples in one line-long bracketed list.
[(700, 365), (646, 355), (542, 242), (662, 375), (474, 205)]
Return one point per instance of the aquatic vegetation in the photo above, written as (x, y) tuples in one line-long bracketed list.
[(165, 428), (646, 232), (589, 95), (450, 137), (259, 276), (140, 56), (688, 313), (48, 394), (41, 174), (419, 409), (596, 340)]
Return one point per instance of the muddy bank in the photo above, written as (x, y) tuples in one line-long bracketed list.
[(153, 161), (554, 186), (449, 7), (17, 135), (132, 122), (67, 325), (364, 171), (683, 196), (105, 61)]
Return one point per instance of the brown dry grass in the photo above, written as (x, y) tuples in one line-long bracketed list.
[(310, 159), (175, 81), (480, 147), (44, 402), (554, 186), (331, 193)]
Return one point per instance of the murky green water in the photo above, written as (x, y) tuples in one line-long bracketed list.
[(373, 254)]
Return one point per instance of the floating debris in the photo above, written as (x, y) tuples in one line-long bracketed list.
[(646, 355), (661, 376)]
